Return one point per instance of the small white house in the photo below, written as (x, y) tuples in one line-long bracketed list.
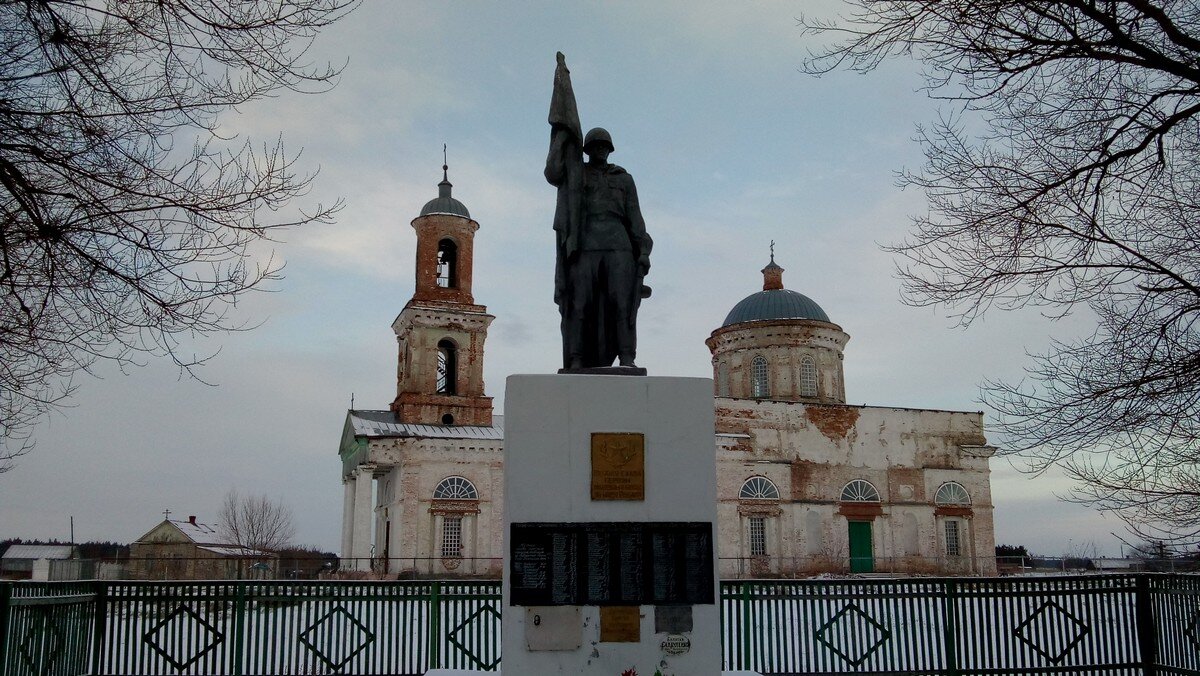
[(32, 562)]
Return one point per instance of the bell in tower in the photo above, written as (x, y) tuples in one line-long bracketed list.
[(441, 330)]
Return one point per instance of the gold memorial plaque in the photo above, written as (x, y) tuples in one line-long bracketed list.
[(620, 624), (618, 466)]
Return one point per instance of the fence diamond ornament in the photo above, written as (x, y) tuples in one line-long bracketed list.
[(1052, 631), (485, 619), (177, 624), (336, 638), (42, 645), (853, 635)]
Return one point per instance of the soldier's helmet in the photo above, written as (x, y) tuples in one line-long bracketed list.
[(598, 135)]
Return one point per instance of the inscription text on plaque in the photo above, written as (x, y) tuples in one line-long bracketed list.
[(618, 466)]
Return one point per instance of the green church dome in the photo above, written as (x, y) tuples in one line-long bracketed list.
[(774, 301), (775, 304), (444, 203)]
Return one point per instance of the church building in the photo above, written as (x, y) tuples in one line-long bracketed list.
[(806, 484)]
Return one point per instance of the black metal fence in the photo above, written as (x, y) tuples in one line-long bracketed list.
[(1144, 623), (1111, 624)]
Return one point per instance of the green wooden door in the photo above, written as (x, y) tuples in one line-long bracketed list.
[(862, 555)]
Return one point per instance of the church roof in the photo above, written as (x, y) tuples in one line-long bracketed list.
[(384, 424), (775, 304), (774, 301), (444, 203)]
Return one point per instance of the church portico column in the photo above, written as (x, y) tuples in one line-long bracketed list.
[(361, 538), (347, 516)]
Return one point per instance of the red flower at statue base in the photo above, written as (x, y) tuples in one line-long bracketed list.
[(629, 672)]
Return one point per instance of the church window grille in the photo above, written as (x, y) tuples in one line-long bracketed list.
[(447, 264), (808, 377), (953, 539), (451, 536), (455, 488), (759, 379), (953, 494), (447, 368), (758, 536), (860, 490), (759, 488)]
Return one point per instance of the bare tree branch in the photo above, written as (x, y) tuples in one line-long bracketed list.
[(117, 239), (1076, 186)]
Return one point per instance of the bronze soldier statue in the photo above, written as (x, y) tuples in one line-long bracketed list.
[(602, 246)]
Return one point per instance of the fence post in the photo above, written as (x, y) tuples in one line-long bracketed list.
[(5, 595), (746, 633), (99, 624), (239, 624), (950, 628), (1147, 626), (435, 625)]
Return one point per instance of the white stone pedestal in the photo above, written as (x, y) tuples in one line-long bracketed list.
[(549, 423)]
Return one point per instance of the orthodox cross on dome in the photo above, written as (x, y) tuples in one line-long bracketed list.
[(772, 251)]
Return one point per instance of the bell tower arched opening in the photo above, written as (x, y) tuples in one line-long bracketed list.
[(447, 264)]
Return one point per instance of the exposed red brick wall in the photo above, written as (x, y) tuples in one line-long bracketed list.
[(835, 422)]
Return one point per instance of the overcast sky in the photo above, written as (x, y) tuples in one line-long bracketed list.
[(731, 147)]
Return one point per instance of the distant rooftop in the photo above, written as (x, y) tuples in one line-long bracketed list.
[(39, 552)]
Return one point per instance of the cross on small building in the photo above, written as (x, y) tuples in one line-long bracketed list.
[(167, 514)]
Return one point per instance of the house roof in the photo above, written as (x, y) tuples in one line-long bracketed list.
[(39, 552), (195, 531)]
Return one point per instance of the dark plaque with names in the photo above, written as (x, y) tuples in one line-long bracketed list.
[(611, 564)]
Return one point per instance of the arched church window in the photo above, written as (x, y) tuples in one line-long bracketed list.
[(952, 493), (759, 385), (759, 488), (455, 488), (447, 264), (447, 367), (859, 490), (808, 377)]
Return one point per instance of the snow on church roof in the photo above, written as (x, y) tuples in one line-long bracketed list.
[(384, 424)]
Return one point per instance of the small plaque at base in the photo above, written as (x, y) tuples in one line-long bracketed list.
[(672, 619), (553, 628), (620, 624)]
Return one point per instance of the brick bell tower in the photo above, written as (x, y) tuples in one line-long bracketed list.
[(441, 330)]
